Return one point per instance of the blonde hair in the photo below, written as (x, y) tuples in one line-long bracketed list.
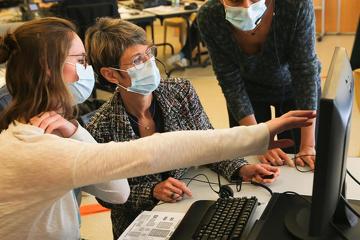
[(107, 40), (35, 54)]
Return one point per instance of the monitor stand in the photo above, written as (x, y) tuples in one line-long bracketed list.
[(297, 222), (284, 219)]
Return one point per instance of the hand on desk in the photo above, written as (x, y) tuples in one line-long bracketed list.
[(276, 157), (171, 190), (292, 119), (306, 156), (259, 173)]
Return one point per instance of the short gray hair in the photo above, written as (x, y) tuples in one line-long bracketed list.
[(107, 40)]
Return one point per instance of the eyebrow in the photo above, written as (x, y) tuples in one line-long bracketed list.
[(77, 55)]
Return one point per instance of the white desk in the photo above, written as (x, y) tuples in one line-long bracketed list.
[(289, 180)]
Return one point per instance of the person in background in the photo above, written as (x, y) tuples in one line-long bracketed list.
[(263, 54), (144, 104), (42, 153), (5, 98), (182, 59)]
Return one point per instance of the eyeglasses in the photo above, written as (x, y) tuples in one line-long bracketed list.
[(139, 61), (81, 58)]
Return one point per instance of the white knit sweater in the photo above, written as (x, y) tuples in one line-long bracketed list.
[(38, 169)]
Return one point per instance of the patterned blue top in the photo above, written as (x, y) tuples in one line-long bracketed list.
[(286, 67)]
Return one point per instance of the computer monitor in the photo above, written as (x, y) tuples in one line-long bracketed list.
[(328, 210), (355, 55)]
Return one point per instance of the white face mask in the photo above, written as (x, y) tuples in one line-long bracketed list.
[(145, 80), (245, 19), (82, 88)]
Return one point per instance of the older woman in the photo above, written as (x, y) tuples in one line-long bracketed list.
[(143, 105)]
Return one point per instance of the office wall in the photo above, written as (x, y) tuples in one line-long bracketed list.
[(349, 15)]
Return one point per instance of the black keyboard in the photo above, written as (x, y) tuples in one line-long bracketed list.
[(226, 218)]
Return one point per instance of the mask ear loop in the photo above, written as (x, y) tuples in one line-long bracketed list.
[(118, 85)]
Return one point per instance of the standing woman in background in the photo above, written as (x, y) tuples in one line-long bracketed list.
[(263, 54)]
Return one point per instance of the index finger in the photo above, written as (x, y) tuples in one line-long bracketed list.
[(181, 185), (286, 158), (301, 113), (309, 161)]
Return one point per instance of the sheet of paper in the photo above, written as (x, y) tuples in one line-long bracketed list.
[(152, 225), (163, 9)]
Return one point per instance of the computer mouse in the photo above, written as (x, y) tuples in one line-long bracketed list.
[(190, 6), (271, 176)]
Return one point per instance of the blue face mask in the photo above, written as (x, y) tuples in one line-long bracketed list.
[(245, 19), (82, 88), (144, 80)]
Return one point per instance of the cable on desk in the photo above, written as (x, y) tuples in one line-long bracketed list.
[(298, 195), (207, 181), (263, 186), (348, 172)]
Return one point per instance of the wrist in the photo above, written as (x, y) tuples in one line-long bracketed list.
[(243, 170)]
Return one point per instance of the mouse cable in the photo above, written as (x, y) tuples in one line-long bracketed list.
[(263, 186), (298, 195), (207, 181), (348, 172)]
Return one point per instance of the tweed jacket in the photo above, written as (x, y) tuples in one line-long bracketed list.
[(181, 110)]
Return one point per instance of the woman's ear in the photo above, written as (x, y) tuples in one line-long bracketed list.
[(110, 75)]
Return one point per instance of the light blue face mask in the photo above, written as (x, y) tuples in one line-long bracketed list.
[(82, 88), (145, 80), (245, 19)]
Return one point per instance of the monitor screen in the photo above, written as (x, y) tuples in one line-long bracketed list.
[(328, 211)]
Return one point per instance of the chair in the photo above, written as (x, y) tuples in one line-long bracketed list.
[(178, 23), (84, 14)]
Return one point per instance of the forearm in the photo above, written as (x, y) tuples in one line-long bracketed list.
[(116, 191), (308, 135), (162, 152), (248, 120)]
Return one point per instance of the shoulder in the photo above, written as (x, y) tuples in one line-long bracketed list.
[(101, 118), (212, 12), (175, 86), (175, 89), (291, 7)]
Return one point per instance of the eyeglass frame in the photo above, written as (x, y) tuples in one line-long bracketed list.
[(150, 52)]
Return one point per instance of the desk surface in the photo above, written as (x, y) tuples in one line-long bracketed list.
[(289, 180), (169, 11), (131, 14)]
